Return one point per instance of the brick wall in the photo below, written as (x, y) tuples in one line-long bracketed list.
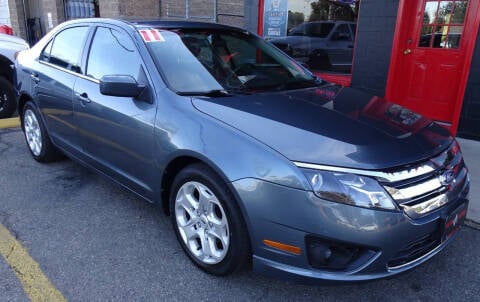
[(469, 126), (204, 10), (56, 9), (109, 8), (128, 8), (17, 18), (140, 8), (376, 28)]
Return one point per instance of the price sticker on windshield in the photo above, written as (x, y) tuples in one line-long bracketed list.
[(151, 35)]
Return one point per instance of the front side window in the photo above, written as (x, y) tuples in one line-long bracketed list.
[(320, 33), (66, 48), (112, 53), (202, 60)]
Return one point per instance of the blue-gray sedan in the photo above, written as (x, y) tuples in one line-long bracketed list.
[(255, 159)]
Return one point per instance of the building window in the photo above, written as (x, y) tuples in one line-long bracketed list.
[(320, 34), (76, 9), (443, 23)]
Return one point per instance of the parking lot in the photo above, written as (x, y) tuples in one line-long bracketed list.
[(95, 241)]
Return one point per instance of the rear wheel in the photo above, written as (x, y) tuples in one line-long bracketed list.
[(8, 102), (207, 221), (36, 136)]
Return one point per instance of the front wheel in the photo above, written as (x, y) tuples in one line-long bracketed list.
[(207, 221)]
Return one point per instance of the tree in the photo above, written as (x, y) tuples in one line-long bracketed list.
[(333, 10), (295, 18)]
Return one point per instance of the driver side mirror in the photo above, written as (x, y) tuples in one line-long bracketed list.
[(337, 36), (120, 85)]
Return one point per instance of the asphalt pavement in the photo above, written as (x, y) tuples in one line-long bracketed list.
[(98, 242)]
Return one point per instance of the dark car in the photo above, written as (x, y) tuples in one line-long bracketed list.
[(9, 46), (254, 158), (322, 45)]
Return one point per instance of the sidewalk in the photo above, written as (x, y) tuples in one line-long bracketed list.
[(471, 153)]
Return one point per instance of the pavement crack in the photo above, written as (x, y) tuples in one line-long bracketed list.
[(12, 248)]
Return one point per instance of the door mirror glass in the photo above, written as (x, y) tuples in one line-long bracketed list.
[(120, 85)]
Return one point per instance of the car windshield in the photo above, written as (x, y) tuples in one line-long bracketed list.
[(210, 61)]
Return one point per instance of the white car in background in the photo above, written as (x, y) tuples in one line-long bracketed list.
[(9, 46)]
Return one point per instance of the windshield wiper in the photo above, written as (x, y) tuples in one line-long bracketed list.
[(211, 93)]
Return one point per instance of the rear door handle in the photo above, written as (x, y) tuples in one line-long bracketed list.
[(83, 97)]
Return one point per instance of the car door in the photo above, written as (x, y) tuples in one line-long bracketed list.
[(340, 48), (117, 131), (53, 77)]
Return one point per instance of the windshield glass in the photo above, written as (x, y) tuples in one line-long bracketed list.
[(206, 60)]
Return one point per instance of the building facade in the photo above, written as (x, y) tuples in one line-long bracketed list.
[(423, 54)]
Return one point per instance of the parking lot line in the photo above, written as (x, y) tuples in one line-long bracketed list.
[(35, 284), (9, 122)]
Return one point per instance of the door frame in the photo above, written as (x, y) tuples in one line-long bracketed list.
[(403, 15)]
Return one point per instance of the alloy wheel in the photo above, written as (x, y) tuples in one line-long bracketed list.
[(202, 222), (33, 132)]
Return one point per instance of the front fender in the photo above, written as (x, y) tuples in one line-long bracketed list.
[(183, 130)]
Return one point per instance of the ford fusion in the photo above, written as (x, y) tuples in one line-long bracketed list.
[(255, 159)]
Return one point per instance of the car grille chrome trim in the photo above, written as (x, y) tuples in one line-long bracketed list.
[(379, 175), (422, 188), (415, 190)]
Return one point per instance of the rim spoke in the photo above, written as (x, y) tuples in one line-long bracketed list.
[(183, 202), (205, 204), (190, 231), (206, 246)]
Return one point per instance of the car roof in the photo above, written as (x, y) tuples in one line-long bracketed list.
[(166, 24)]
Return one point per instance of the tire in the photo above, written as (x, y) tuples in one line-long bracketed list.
[(208, 222), (8, 102), (36, 136)]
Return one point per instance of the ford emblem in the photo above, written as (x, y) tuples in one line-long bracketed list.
[(447, 177)]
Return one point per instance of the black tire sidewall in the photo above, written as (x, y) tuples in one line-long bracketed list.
[(239, 247), (11, 104)]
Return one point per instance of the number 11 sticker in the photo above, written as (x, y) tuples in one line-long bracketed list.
[(151, 35)]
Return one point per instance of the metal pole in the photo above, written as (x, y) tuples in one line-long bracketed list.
[(215, 11), (187, 9), (27, 34)]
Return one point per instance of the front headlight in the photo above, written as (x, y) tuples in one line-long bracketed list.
[(350, 189)]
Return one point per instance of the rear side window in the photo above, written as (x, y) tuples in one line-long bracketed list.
[(112, 53), (65, 50)]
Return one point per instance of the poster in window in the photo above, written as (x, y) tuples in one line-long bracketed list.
[(275, 18)]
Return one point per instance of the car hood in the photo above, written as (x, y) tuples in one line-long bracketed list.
[(294, 40), (331, 125), (13, 39)]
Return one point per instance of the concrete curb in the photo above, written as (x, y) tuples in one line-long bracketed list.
[(471, 150), (9, 122)]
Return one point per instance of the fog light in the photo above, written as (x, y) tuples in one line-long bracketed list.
[(330, 255)]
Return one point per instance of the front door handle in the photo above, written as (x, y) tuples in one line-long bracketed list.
[(407, 51), (35, 78), (83, 97)]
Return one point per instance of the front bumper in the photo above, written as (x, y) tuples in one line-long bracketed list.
[(290, 216)]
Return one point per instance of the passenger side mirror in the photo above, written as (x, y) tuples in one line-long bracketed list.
[(120, 85)]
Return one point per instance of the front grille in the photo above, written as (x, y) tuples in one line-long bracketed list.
[(415, 250), (443, 179)]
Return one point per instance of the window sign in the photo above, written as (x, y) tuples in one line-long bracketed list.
[(275, 18)]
